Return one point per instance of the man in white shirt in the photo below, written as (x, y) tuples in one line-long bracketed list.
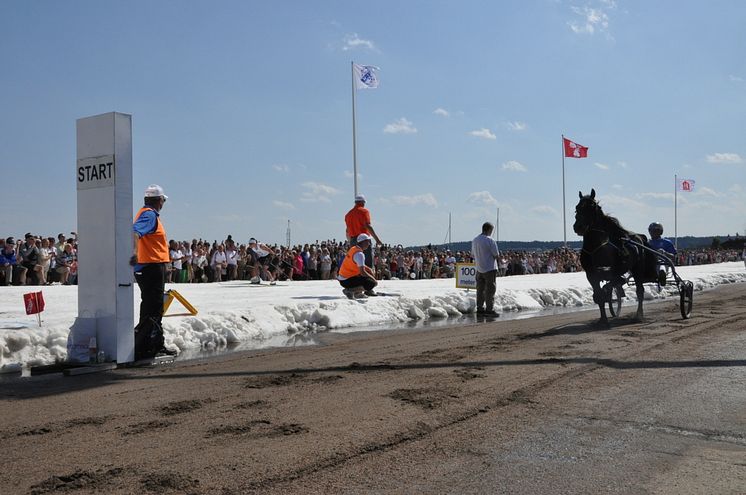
[(219, 263), (450, 264), (199, 262), (484, 250), (231, 256), (262, 256)]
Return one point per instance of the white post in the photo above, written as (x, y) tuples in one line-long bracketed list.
[(675, 212), (104, 183), (564, 221), (354, 132), (497, 228)]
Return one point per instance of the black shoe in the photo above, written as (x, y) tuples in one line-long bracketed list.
[(490, 312), (167, 352), (370, 293), (348, 293), (480, 311)]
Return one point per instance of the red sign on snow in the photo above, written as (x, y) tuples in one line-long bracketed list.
[(34, 302)]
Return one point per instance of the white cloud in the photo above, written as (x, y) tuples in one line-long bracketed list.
[(349, 174), (602, 166), (281, 167), (624, 202), (283, 205), (725, 158), (592, 19), (514, 166), (481, 198), (736, 188), (618, 187), (353, 41), (317, 192), (483, 133), (425, 199), (544, 210), (706, 191), (442, 112), (401, 126), (516, 126), (622, 164), (656, 195), (736, 78)]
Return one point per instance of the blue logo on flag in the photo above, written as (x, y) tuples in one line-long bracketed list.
[(367, 76)]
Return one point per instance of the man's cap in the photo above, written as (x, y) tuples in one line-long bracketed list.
[(154, 191), (363, 237), (359, 198), (252, 241), (10, 240), (28, 234)]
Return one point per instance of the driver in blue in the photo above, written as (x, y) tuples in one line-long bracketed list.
[(663, 246)]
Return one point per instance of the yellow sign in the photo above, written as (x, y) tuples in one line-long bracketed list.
[(169, 297)]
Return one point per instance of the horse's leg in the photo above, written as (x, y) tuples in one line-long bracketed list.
[(640, 289), (598, 297)]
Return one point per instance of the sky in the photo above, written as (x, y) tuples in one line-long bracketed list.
[(242, 111)]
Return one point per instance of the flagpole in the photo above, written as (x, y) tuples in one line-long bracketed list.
[(354, 137), (564, 221), (675, 212), (497, 228)]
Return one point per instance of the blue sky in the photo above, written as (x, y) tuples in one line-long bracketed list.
[(242, 112)]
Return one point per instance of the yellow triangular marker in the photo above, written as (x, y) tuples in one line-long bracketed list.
[(169, 297)]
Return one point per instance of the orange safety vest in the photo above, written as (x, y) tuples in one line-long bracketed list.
[(349, 268), (153, 248)]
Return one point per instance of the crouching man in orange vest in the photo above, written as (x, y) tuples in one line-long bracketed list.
[(356, 278)]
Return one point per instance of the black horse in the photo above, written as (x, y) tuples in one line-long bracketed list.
[(606, 256)]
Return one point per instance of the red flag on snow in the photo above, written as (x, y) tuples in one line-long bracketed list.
[(574, 150), (34, 302)]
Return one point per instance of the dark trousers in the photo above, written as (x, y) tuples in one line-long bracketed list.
[(366, 283), (486, 289), (152, 282)]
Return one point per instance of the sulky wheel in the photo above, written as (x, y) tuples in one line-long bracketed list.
[(614, 300), (686, 294)]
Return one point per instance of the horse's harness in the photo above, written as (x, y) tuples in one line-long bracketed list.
[(607, 241)]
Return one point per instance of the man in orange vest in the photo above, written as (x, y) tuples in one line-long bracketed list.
[(357, 221), (355, 276), (151, 255)]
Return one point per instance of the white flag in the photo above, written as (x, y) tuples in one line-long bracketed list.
[(686, 185), (365, 76)]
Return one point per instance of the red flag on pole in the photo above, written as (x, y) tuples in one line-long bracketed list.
[(574, 150), (34, 302), (686, 185)]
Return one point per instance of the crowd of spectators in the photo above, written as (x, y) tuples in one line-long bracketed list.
[(45, 260), (39, 260)]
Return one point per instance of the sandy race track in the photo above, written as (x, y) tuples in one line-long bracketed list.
[(540, 405)]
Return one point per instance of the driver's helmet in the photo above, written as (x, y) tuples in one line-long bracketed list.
[(655, 228)]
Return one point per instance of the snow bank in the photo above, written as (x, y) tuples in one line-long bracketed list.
[(263, 316)]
